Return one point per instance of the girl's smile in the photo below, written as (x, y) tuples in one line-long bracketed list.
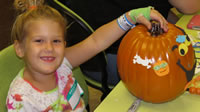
[(43, 47), (48, 59)]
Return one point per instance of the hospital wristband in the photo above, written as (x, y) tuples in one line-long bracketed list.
[(124, 23)]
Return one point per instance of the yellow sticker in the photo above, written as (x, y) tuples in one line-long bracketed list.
[(187, 42), (183, 49), (161, 68)]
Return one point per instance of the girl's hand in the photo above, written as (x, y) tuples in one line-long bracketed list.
[(144, 15)]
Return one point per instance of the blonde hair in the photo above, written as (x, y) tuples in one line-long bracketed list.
[(33, 10)]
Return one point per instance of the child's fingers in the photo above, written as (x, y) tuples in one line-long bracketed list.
[(155, 15), (141, 19)]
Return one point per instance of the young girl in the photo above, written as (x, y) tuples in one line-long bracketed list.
[(46, 82)]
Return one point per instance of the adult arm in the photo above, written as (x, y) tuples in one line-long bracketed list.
[(186, 6)]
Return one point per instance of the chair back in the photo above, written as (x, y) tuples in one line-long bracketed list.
[(10, 65)]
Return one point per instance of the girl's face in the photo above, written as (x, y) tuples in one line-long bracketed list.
[(43, 47)]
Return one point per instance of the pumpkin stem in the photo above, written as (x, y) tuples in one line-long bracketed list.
[(155, 29)]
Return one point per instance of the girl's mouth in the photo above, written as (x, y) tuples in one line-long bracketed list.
[(48, 58)]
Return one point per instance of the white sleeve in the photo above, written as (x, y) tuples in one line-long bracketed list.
[(67, 63)]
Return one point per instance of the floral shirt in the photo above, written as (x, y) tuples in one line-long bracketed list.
[(24, 97)]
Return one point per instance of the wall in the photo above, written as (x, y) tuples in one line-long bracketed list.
[(6, 20)]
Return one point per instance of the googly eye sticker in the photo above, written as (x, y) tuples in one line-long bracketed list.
[(161, 68), (183, 49)]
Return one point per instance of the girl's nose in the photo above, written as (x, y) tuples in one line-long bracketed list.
[(49, 46)]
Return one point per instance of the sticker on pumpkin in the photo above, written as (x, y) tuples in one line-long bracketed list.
[(161, 68), (181, 38), (145, 62), (183, 49)]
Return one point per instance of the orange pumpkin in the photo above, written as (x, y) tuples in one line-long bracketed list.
[(156, 68)]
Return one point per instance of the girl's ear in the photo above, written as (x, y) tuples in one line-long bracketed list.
[(65, 43), (19, 49)]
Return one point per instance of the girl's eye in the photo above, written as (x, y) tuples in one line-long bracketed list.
[(39, 40), (56, 41)]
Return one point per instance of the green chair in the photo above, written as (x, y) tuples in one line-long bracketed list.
[(10, 65)]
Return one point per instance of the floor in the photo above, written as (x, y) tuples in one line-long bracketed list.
[(94, 98)]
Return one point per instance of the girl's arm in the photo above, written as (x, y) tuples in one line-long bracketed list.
[(107, 34)]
